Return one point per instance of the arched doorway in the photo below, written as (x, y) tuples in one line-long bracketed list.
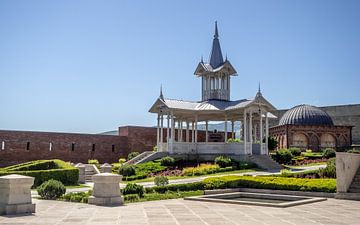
[(327, 141), (300, 140)]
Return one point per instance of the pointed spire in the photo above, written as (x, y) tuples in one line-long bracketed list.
[(258, 94), (216, 57), (161, 93), (202, 59), (216, 35)]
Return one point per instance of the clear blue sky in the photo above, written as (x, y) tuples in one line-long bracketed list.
[(91, 66)]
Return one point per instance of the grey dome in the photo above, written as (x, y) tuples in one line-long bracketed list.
[(306, 115)]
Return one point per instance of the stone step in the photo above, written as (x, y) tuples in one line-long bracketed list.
[(353, 190)]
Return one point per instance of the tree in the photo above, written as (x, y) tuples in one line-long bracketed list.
[(272, 143)]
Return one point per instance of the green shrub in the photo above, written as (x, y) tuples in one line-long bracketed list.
[(329, 153), (329, 170), (93, 161), (312, 155), (223, 161), (127, 170), (295, 151), (161, 181), (203, 169), (51, 189), (283, 156), (243, 165), (132, 188), (131, 198), (272, 143), (57, 170), (133, 155), (77, 196), (167, 161), (176, 187), (278, 183), (355, 151), (122, 160)]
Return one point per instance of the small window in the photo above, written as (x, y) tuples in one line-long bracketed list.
[(28, 146), (72, 147), (3, 145), (50, 146), (93, 147), (113, 148)]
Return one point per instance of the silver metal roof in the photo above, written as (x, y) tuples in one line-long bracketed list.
[(216, 57)]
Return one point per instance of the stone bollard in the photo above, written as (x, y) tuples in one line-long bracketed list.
[(106, 190), (81, 168), (15, 194), (106, 168)]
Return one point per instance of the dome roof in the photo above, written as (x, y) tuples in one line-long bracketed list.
[(306, 115)]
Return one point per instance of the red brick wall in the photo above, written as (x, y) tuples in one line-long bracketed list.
[(16, 143)]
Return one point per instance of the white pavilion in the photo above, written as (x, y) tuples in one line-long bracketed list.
[(215, 105)]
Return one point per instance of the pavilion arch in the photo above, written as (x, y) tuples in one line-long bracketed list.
[(300, 140), (327, 141), (314, 142)]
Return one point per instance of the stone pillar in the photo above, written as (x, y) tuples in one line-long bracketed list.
[(207, 131), (196, 130), (81, 168), (187, 132), (158, 130), (15, 194), (106, 190), (251, 131), (225, 130), (162, 130), (266, 133), (168, 129), (106, 168), (261, 134)]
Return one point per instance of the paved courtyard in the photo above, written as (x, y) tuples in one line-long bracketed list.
[(181, 211)]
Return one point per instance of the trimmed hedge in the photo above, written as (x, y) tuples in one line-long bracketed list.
[(277, 183), (44, 170), (176, 187)]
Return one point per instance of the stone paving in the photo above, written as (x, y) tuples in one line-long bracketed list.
[(178, 211)]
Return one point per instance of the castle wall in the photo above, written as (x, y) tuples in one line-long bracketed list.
[(347, 115), (107, 148)]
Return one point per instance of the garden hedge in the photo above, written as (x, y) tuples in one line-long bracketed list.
[(277, 183), (43, 170)]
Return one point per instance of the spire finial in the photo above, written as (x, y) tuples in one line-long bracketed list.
[(226, 58), (216, 35), (161, 93), (202, 60), (259, 89)]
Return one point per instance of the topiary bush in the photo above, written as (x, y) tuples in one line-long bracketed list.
[(329, 153), (132, 188), (283, 156), (223, 161), (51, 189), (131, 198), (133, 155), (330, 169), (127, 170), (122, 160), (295, 151), (161, 181), (272, 143), (167, 161)]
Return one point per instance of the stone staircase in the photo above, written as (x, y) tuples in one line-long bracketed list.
[(265, 162), (146, 157), (90, 170), (355, 185)]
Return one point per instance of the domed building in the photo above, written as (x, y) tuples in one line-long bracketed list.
[(308, 127)]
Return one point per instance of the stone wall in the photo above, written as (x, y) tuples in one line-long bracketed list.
[(22, 146), (341, 115)]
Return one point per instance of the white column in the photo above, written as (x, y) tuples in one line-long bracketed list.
[(178, 129), (187, 131), (181, 131), (172, 128), (266, 133), (251, 131), (196, 130), (193, 132), (226, 129), (261, 132), (168, 130), (158, 130), (162, 130), (207, 132), (232, 129), (245, 131)]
